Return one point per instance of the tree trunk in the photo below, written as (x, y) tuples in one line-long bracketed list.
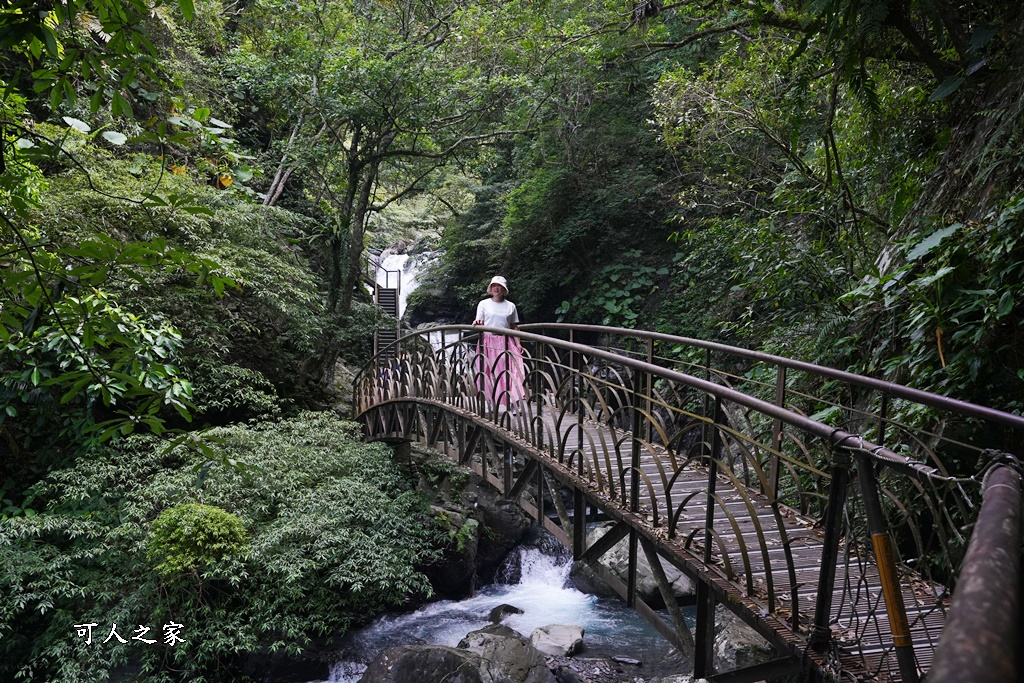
[(357, 233), (370, 165)]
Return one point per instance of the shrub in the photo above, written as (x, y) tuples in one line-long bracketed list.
[(187, 537), (309, 531)]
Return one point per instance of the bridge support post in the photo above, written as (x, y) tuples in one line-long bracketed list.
[(886, 562), (682, 631), (634, 483), (507, 468), (632, 570), (704, 657), (579, 523), (821, 632), (780, 400)]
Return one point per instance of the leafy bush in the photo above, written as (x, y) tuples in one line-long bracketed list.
[(334, 535), (616, 296), (190, 536)]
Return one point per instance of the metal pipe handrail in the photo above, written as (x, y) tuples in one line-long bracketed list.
[(426, 369), (981, 638), (894, 390), (833, 436), (378, 265)]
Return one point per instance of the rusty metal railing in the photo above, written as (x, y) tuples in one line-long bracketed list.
[(981, 640), (843, 522)]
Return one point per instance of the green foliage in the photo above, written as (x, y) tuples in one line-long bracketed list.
[(99, 44), (334, 536), (189, 537), (452, 535), (94, 352), (953, 301), (617, 295)]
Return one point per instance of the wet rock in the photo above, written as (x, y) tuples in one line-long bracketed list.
[(505, 524), (566, 674), (617, 561), (626, 660), (558, 640), (312, 665), (506, 657), (501, 611), (424, 664), (585, 580), (736, 644)]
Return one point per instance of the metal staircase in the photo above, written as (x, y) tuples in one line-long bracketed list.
[(387, 299), (385, 296)]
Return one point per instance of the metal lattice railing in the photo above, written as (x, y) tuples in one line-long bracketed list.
[(836, 505)]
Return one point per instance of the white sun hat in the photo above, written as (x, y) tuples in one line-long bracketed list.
[(499, 280)]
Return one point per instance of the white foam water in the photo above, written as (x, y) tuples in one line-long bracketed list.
[(545, 596)]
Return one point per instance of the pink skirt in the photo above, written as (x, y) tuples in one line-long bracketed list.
[(500, 372)]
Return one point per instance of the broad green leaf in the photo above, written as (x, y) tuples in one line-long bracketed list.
[(51, 41), (124, 106), (947, 88), (924, 247), (931, 279), (77, 124), (188, 8), (114, 138), (1005, 304), (56, 95)]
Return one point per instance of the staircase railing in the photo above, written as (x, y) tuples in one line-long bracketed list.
[(387, 297)]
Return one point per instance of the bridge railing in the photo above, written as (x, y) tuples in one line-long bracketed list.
[(879, 502)]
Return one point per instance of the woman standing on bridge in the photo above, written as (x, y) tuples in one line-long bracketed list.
[(501, 377)]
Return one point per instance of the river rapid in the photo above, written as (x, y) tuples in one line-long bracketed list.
[(545, 595)]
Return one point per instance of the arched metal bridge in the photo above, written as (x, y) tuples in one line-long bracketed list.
[(829, 511)]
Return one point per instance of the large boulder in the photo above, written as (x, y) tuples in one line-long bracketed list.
[(453, 573), (507, 657), (558, 640), (425, 664), (616, 560), (736, 644), (585, 580), (505, 525)]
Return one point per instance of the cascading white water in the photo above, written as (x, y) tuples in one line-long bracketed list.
[(544, 595), (409, 268)]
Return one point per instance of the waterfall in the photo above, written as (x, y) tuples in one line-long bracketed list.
[(408, 267)]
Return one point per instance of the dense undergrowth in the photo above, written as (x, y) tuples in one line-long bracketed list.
[(308, 532)]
